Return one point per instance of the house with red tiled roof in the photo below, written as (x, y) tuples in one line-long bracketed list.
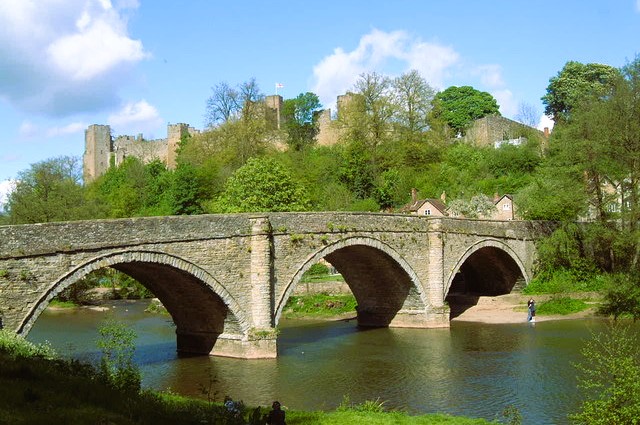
[(428, 207)]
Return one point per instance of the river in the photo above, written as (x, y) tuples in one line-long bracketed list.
[(470, 369)]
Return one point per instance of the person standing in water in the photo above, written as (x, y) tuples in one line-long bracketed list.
[(531, 307)]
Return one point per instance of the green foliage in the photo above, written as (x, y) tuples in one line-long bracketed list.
[(575, 83), (317, 269), (262, 184), (48, 191), (16, 346), (117, 368), (561, 305), (566, 281), (320, 305), (460, 106), (299, 116), (622, 297), (609, 378)]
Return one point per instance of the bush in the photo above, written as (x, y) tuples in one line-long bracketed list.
[(16, 346), (609, 378), (622, 297), (566, 280), (318, 269), (116, 364)]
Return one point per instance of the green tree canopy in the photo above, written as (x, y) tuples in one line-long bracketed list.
[(50, 190), (460, 106), (299, 119), (262, 184), (575, 83)]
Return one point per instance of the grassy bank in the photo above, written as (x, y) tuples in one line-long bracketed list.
[(36, 388)]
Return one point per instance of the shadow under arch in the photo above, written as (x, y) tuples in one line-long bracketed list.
[(199, 305), (386, 288), (487, 268)]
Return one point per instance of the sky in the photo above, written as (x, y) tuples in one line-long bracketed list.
[(139, 65)]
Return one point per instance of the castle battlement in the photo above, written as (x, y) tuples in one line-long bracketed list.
[(102, 150)]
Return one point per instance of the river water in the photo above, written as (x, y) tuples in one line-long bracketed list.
[(470, 369)]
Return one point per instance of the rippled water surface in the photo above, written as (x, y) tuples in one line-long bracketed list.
[(470, 369)]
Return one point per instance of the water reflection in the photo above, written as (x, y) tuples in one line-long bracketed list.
[(469, 369)]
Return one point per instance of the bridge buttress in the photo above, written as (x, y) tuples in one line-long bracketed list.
[(260, 340), (438, 311)]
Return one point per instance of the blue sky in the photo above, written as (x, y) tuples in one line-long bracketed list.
[(141, 64)]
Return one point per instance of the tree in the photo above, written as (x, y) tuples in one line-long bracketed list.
[(478, 206), (227, 103), (527, 114), (117, 368), (222, 104), (460, 106), (575, 83), (413, 97), (50, 190), (299, 119), (367, 113), (609, 378), (262, 184)]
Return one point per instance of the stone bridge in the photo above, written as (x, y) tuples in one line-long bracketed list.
[(225, 279)]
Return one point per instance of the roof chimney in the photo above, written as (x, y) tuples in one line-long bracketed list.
[(414, 195), (443, 197), (496, 197)]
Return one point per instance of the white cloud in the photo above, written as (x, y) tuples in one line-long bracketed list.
[(508, 105), (338, 72), (28, 130), (64, 57), (6, 187), (135, 118), (490, 75), (73, 128)]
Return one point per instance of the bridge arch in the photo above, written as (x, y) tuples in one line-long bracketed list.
[(199, 305), (488, 267), (387, 290)]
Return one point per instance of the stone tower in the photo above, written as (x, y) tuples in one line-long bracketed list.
[(274, 109), (175, 132), (97, 151)]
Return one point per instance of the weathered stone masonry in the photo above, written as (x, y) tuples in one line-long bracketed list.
[(225, 279)]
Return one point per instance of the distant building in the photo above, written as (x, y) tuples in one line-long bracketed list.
[(505, 209), (102, 150), (496, 130), (429, 207)]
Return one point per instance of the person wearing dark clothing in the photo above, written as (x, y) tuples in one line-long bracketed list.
[(531, 307), (276, 416)]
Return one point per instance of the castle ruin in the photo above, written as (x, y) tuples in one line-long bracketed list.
[(103, 151)]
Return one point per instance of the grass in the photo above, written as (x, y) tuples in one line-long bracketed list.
[(62, 304), (36, 387), (319, 305), (310, 278), (561, 305)]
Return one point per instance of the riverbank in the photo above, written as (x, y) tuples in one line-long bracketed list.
[(512, 308)]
